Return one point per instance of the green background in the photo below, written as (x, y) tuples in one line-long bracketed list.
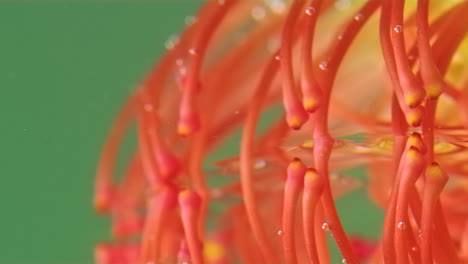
[(65, 68)]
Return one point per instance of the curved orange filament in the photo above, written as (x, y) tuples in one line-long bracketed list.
[(310, 90), (127, 221), (429, 71), (159, 209), (322, 150), (148, 156), (246, 163), (190, 202), (312, 191), (293, 187), (104, 189), (413, 117), (188, 120), (413, 92), (296, 115), (413, 164), (436, 179)]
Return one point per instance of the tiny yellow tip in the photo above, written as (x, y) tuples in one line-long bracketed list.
[(433, 91), (184, 130), (296, 164), (309, 144), (295, 122), (416, 140), (310, 105), (213, 251), (413, 99), (435, 173), (184, 193), (414, 118), (413, 154), (311, 175)]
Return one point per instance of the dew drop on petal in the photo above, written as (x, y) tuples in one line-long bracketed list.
[(401, 225), (277, 57), (325, 227), (398, 28), (258, 12), (280, 232), (414, 248), (340, 37), (358, 17), (323, 65), (193, 51), (344, 261), (260, 164), (310, 10), (171, 41), (221, 2), (179, 62)]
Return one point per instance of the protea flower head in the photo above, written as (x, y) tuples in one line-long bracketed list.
[(395, 73)]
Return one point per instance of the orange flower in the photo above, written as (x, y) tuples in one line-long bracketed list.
[(271, 203)]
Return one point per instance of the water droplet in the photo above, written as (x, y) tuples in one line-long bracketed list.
[(148, 107), (277, 57), (190, 20), (401, 225), (193, 51), (414, 248), (260, 164), (310, 10), (323, 65), (340, 37), (358, 17), (280, 232), (236, 112), (171, 41), (325, 227), (420, 235), (344, 261), (398, 28), (258, 12), (179, 62), (221, 2)]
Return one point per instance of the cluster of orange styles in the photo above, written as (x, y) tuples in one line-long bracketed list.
[(256, 77)]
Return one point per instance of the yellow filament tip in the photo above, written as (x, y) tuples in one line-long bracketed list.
[(413, 99), (213, 251)]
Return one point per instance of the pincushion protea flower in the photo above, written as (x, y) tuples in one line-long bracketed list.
[(395, 72)]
